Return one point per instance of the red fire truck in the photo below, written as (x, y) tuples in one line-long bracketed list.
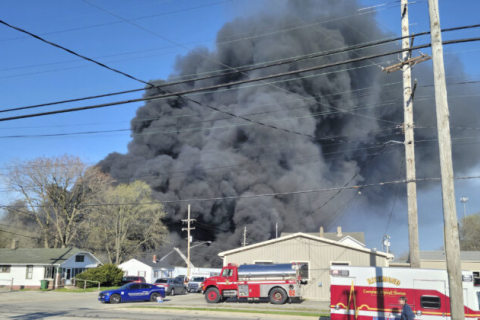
[(278, 282), (373, 293)]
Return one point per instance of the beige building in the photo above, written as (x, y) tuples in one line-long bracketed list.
[(470, 260), (316, 252)]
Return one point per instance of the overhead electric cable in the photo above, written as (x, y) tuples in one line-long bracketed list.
[(232, 83), (273, 194)]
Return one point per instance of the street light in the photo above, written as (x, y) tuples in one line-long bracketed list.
[(464, 201)]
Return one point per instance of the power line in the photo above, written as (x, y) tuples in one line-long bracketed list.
[(170, 94), (273, 194), (238, 70), (18, 234), (73, 52)]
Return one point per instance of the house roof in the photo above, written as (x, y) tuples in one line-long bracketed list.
[(440, 255), (359, 236), (308, 236), (156, 265), (38, 255)]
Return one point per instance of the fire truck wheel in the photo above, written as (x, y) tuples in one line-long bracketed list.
[(278, 296), (212, 295)]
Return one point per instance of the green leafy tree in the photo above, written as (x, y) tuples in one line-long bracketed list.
[(107, 274), (470, 233), (129, 224)]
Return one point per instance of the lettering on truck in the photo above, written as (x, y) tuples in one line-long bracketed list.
[(374, 292)]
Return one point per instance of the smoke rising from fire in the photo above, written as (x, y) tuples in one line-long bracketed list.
[(183, 150)]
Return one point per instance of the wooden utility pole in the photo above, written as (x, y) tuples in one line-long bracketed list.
[(188, 239), (245, 236), (409, 142), (452, 243)]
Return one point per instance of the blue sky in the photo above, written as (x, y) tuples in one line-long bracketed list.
[(32, 72)]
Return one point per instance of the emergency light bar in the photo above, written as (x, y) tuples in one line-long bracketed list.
[(339, 273)]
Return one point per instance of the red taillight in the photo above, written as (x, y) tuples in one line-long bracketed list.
[(165, 285)]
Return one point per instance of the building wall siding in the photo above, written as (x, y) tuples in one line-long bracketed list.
[(318, 254), (466, 265)]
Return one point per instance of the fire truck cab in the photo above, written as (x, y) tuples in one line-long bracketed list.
[(278, 282), (373, 293)]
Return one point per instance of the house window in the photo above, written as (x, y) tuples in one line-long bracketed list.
[(80, 258), (4, 269), (262, 262), (340, 263), (155, 274), (303, 268), (49, 271), (142, 273), (430, 302), (29, 273)]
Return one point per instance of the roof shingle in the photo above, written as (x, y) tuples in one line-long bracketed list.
[(37, 255)]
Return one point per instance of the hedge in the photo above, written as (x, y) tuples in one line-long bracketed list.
[(108, 275)]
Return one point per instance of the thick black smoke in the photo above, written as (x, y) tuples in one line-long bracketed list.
[(184, 150)]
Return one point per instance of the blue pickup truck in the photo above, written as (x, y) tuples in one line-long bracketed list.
[(132, 292)]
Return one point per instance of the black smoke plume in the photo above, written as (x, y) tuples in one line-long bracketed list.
[(184, 150)]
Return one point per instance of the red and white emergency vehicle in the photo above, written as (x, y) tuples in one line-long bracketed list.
[(373, 293), (278, 282)]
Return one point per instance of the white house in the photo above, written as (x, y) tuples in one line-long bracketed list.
[(25, 268), (150, 269)]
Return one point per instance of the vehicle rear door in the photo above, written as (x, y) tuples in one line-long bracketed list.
[(430, 298)]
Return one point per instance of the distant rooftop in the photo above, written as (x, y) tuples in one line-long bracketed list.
[(440, 255), (335, 236), (37, 255)]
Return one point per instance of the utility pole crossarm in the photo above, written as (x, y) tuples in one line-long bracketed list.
[(410, 62)]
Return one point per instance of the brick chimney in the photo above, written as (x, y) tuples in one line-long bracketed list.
[(321, 232), (339, 231), (14, 244), (154, 258)]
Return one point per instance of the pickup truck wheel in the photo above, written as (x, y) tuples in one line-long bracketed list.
[(172, 293), (278, 296), (115, 298), (212, 295)]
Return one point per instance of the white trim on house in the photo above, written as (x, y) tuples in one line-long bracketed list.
[(349, 238), (340, 263), (265, 261), (304, 235)]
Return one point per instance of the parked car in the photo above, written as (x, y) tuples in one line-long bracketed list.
[(182, 278), (195, 284), (172, 286), (132, 292), (129, 279)]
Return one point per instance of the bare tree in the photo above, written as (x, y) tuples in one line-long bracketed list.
[(128, 221), (470, 233), (57, 192)]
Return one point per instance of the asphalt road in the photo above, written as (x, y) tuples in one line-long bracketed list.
[(65, 305)]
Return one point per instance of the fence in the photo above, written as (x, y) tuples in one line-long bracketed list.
[(85, 283), (10, 281)]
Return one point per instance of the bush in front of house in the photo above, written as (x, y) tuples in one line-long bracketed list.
[(108, 275)]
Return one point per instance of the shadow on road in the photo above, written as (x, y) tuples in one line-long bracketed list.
[(39, 315)]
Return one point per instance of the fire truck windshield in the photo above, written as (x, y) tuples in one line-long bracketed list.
[(478, 300), (227, 273)]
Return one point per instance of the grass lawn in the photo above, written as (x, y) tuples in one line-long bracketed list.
[(287, 313), (85, 290)]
